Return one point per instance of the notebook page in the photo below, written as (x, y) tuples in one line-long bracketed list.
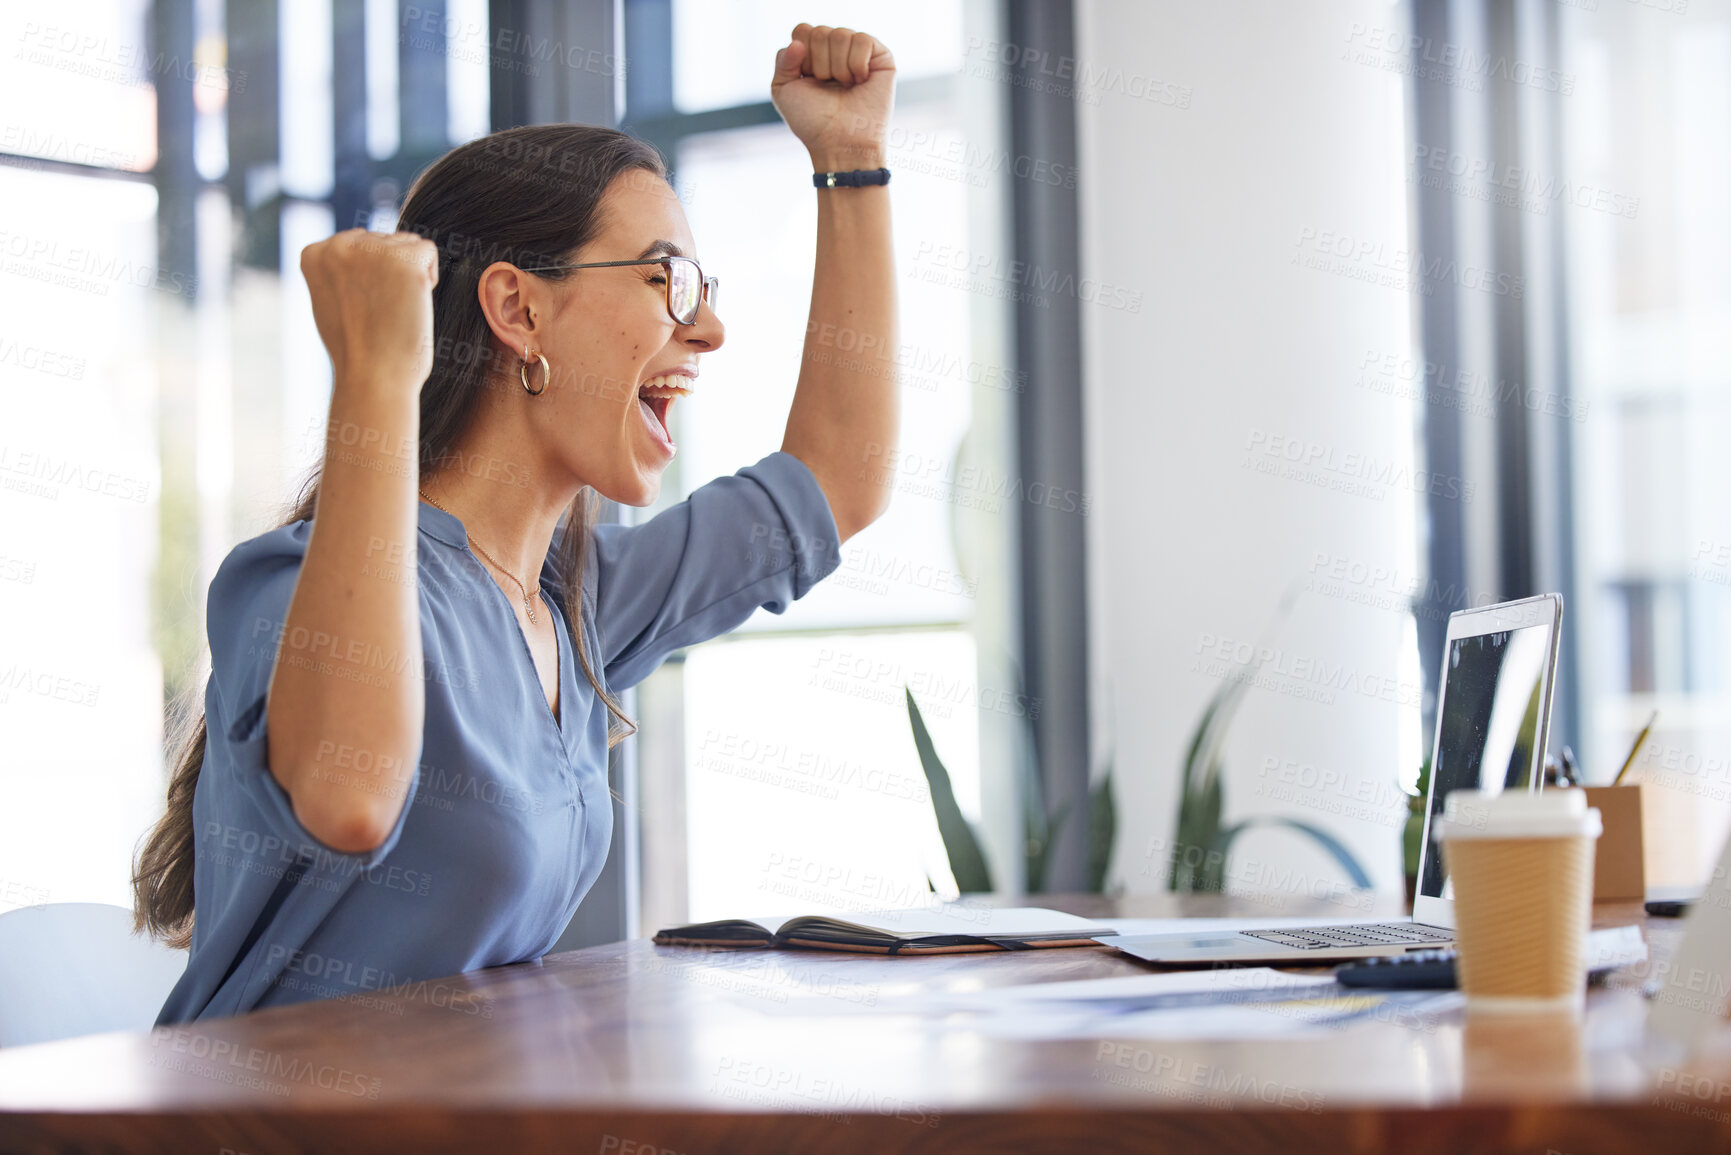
[(956, 918)]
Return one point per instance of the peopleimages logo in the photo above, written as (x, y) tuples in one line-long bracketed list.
[(101, 58), (425, 27), (1361, 474), (961, 267), (1446, 61), (1310, 676), (1361, 258), (26, 679), (1041, 70), (47, 261), (44, 474), (1452, 387), (1531, 189)]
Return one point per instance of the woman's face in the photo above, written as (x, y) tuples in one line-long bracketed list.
[(619, 361)]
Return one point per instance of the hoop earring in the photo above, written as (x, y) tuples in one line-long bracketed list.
[(523, 373)]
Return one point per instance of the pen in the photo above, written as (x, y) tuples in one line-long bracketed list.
[(1640, 739)]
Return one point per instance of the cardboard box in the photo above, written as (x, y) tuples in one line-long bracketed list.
[(1620, 861)]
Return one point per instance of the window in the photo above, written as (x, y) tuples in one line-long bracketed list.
[(797, 776), (162, 386), (1649, 255), (81, 476), (1593, 405)]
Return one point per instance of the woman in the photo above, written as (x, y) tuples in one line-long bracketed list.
[(399, 775)]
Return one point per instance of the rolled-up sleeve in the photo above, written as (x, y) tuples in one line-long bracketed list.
[(246, 616), (762, 537)]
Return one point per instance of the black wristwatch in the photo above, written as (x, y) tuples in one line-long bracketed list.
[(854, 178)]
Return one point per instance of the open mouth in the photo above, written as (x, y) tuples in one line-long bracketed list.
[(657, 395)]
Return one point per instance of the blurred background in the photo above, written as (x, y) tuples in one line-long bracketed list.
[(1236, 339)]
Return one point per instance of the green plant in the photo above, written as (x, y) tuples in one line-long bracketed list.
[(1412, 835), (967, 862), (1202, 844), (1102, 831), (1040, 828)]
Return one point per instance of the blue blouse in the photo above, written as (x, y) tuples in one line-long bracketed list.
[(509, 814)]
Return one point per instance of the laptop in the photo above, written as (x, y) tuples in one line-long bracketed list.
[(1493, 719)]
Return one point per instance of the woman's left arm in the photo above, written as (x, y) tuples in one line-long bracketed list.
[(835, 88)]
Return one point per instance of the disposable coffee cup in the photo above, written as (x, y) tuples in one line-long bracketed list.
[(1521, 866)]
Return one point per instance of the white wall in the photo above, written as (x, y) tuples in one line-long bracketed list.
[(1272, 131)]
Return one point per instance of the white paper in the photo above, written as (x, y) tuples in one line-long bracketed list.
[(1225, 1003), (1616, 946), (1227, 984), (1219, 1003), (1121, 995), (1305, 1014), (958, 918)]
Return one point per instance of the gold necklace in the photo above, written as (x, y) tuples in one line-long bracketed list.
[(527, 607)]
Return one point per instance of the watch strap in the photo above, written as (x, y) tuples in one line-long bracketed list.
[(854, 178)]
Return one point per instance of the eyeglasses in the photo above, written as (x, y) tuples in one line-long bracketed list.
[(687, 287)]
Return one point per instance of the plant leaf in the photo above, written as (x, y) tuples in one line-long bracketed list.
[(1040, 849), (1201, 798), (1412, 834), (1201, 804), (1198, 830), (1039, 827), (1102, 831), (1334, 846), (1202, 749), (967, 863), (1211, 739)]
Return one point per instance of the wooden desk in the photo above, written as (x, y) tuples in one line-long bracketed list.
[(633, 1049)]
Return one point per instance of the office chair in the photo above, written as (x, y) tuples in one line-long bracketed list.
[(76, 968)]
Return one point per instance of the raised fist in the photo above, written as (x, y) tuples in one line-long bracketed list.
[(372, 299), (835, 88)]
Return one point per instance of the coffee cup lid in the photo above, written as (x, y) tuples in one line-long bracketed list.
[(1557, 813)]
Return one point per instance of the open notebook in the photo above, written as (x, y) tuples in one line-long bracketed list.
[(929, 930)]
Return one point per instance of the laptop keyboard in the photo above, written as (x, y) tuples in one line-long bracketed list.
[(1366, 934)]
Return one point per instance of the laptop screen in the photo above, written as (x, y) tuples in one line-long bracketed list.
[(1488, 726)]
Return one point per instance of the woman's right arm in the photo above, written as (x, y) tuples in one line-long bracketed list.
[(347, 699)]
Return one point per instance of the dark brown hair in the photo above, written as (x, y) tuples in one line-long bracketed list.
[(530, 196)]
